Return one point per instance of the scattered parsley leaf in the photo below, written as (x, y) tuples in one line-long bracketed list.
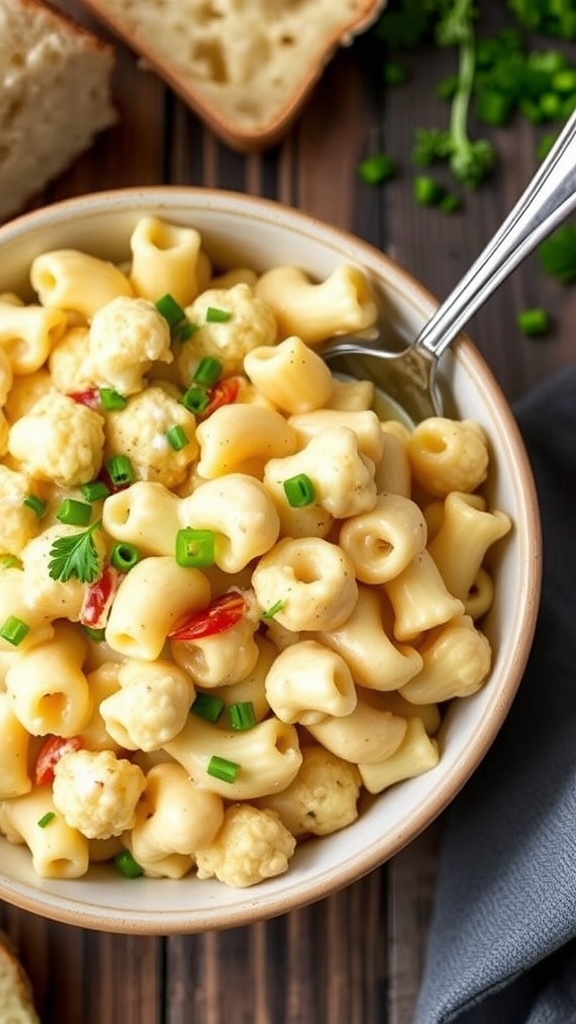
[(75, 556)]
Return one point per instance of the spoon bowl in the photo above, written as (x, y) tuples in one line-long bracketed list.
[(408, 377)]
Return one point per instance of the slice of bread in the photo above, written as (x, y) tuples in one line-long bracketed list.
[(55, 95), (244, 66), (16, 1000)]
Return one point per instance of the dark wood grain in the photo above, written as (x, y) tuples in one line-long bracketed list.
[(354, 958)]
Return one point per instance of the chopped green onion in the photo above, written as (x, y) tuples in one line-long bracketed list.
[(177, 437), (217, 316), (112, 400), (195, 548), (427, 191), (208, 707), (221, 768), (185, 330), (196, 399), (120, 470), (171, 310), (9, 562), (564, 81), (273, 610), (35, 503), (242, 715), (97, 635), (95, 490), (394, 72), (46, 819), (208, 372), (299, 490), (14, 630), (376, 169), (533, 322), (74, 513), (127, 865), (450, 203), (124, 556)]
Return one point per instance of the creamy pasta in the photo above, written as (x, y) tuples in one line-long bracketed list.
[(231, 598)]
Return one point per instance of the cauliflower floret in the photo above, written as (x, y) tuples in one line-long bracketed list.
[(67, 361), (97, 792), (140, 431), (59, 440), (251, 323), (25, 392), (323, 797), (448, 455), (251, 845), (151, 706), (126, 336), (18, 523)]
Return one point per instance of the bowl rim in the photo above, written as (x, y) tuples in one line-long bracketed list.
[(259, 904)]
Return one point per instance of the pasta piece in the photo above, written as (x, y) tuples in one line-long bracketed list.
[(364, 423), (307, 682), (416, 754), (236, 435), (14, 603), (342, 302), (150, 601), (14, 777), (291, 375), (71, 280), (311, 579), (375, 660), (28, 334), (448, 455), (173, 815), (58, 851), (366, 734), (382, 541), (164, 260), (251, 689), (146, 514), (223, 658), (392, 473), (420, 599), (267, 757), (48, 690)]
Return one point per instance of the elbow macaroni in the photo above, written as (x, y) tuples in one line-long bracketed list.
[(215, 646)]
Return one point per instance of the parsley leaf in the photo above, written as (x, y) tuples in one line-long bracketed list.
[(75, 556)]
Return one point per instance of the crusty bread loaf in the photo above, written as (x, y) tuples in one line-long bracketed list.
[(54, 97), (244, 66), (16, 1001)]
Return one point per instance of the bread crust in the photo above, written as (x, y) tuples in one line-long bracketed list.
[(16, 997), (268, 111)]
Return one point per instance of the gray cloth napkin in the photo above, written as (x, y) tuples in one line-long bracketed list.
[(502, 943)]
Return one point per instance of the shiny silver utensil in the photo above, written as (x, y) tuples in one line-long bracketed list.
[(408, 377)]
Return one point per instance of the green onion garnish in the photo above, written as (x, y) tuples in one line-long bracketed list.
[(427, 191), (196, 399), (533, 322), (95, 490), (273, 610), (74, 513), (185, 330), (208, 707), (195, 548), (221, 768), (120, 470), (36, 504), (98, 635), (14, 630), (46, 819), (10, 562), (299, 490), (242, 715), (177, 437), (124, 556), (208, 372), (112, 400), (217, 316), (376, 169), (127, 866), (171, 310)]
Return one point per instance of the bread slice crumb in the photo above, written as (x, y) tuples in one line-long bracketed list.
[(16, 1000), (55, 95), (244, 66)]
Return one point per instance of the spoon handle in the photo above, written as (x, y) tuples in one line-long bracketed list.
[(545, 203)]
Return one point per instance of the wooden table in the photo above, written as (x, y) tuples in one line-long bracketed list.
[(354, 958)]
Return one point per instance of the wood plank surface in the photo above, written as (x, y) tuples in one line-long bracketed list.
[(356, 957)]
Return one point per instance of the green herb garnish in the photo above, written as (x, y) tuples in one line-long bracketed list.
[(75, 556)]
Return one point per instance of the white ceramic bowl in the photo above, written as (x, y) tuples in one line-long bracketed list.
[(239, 229)]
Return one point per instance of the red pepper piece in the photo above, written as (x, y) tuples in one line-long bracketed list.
[(98, 598), (89, 397), (53, 748), (223, 393), (220, 615)]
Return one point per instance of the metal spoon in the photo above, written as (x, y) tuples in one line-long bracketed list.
[(408, 377)]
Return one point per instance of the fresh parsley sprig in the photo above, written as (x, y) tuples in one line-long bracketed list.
[(75, 556)]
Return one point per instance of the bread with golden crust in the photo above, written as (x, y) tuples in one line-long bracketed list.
[(16, 998)]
